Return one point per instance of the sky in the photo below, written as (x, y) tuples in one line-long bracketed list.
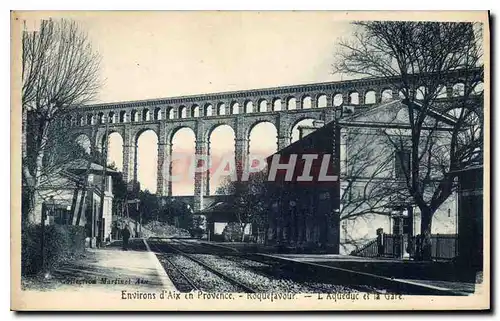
[(169, 54), (162, 54)]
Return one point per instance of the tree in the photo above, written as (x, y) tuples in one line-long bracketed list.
[(59, 73), (148, 205), (250, 199), (232, 232), (60, 152), (197, 225), (174, 212), (418, 58)]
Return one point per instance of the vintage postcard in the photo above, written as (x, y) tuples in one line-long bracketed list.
[(256, 161)]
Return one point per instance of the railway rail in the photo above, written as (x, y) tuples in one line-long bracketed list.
[(226, 277), (182, 282), (283, 272)]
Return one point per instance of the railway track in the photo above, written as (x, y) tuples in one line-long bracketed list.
[(183, 283), (196, 247), (249, 274), (191, 284), (272, 273)]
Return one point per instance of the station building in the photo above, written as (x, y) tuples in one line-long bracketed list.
[(343, 216), (65, 201), (305, 213)]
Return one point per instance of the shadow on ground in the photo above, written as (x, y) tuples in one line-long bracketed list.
[(96, 267)]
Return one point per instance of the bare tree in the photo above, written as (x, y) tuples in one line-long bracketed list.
[(366, 166), (59, 72), (419, 58), (366, 180)]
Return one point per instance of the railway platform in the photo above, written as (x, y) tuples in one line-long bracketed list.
[(431, 275), (112, 269), (206, 266), (436, 276)]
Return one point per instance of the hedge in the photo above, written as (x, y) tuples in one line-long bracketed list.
[(61, 242)]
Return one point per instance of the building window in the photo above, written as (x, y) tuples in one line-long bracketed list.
[(401, 163), (62, 215), (403, 223)]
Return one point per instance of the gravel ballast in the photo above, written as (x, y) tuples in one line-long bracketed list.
[(244, 271), (204, 279)]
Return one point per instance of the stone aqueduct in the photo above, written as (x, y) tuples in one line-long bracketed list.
[(241, 110)]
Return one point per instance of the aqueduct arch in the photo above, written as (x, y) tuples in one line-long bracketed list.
[(281, 106)]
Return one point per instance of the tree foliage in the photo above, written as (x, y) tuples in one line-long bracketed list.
[(152, 208), (250, 199)]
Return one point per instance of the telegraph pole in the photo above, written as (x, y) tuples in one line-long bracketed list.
[(100, 234)]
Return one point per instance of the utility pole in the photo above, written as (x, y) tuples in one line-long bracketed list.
[(100, 234), (139, 208)]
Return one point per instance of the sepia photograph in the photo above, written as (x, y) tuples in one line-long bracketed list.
[(250, 160)]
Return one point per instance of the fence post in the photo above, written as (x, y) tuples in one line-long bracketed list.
[(438, 251), (380, 242)]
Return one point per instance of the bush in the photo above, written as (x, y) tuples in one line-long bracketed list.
[(198, 233), (161, 229), (61, 242), (232, 232)]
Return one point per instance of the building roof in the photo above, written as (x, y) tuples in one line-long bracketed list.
[(319, 135), (218, 207), (81, 165), (221, 212)]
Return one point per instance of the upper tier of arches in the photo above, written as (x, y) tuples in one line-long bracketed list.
[(265, 102)]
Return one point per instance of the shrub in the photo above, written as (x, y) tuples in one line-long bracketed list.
[(162, 229), (61, 242), (232, 232)]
